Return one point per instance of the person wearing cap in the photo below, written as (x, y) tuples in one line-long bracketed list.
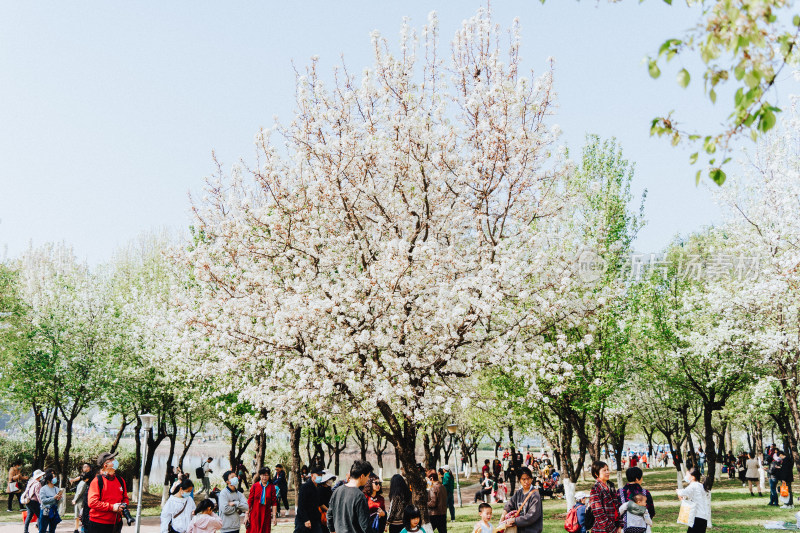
[(450, 486), (231, 503), (263, 502), (580, 508), (31, 497), (106, 503), (308, 515)]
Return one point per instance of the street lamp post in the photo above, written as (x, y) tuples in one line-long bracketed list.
[(452, 428), (147, 425)]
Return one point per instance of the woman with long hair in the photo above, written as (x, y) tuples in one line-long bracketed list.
[(377, 505), (399, 499)]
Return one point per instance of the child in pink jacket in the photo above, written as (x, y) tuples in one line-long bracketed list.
[(205, 521)]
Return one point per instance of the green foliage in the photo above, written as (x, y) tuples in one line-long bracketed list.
[(744, 43)]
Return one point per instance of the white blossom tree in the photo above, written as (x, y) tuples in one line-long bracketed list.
[(377, 256)]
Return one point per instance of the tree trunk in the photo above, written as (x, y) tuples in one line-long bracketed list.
[(362, 438), (188, 439), (67, 449), (379, 445), (295, 432), (692, 455), (173, 436), (426, 448), (120, 433), (243, 445), (56, 451), (235, 434), (711, 454), (261, 449), (406, 448)]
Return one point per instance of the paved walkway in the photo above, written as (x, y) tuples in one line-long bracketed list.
[(150, 524)]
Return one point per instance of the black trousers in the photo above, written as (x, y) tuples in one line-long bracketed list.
[(11, 495), (439, 523), (95, 527), (282, 497), (699, 526)]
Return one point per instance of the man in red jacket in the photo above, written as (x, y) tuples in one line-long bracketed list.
[(105, 505)]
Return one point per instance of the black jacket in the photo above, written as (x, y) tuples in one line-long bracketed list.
[(280, 481), (787, 470), (307, 507)]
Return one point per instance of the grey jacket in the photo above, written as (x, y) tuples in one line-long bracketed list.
[(230, 514), (530, 516), (47, 496)]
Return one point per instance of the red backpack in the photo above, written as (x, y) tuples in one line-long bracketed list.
[(571, 523)]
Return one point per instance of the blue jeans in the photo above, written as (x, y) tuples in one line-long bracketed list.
[(48, 524), (34, 508), (773, 491)]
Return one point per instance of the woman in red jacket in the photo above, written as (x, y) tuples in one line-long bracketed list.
[(604, 502), (376, 504), (262, 503)]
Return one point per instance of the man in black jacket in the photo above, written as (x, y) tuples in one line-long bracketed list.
[(787, 475), (283, 488), (308, 519)]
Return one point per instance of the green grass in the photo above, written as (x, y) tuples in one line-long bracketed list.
[(733, 510)]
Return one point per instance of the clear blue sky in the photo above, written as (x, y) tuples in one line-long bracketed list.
[(109, 111)]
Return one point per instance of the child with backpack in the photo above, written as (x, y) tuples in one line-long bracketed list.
[(576, 517)]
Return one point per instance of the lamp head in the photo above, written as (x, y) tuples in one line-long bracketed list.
[(452, 428), (147, 421)]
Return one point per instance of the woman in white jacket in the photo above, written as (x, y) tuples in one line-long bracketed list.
[(176, 516), (700, 500)]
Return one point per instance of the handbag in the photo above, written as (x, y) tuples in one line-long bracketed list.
[(12, 487), (512, 528), (686, 513), (169, 526)]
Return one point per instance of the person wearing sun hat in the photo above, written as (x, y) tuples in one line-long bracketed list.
[(580, 508), (31, 497)]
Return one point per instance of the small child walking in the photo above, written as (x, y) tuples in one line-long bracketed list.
[(637, 519)]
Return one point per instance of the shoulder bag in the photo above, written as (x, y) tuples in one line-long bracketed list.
[(169, 526)]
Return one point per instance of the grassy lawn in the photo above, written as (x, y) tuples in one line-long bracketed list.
[(733, 510)]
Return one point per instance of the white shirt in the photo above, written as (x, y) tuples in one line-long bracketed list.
[(484, 527), (173, 506), (700, 499)]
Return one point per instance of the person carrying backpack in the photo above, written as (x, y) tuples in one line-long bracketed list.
[(202, 472), (576, 517), (108, 495)]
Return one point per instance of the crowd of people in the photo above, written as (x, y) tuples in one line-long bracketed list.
[(357, 503)]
